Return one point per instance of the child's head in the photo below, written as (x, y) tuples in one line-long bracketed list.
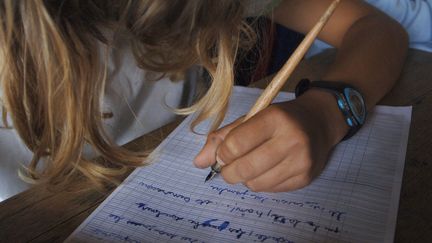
[(52, 77)]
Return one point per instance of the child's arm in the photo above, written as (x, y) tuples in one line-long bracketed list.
[(286, 145)]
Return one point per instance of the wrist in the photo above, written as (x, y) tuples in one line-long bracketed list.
[(322, 107)]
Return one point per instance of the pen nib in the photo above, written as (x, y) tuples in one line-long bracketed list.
[(210, 176), (215, 169)]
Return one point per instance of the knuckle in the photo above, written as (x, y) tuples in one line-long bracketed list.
[(301, 138), (229, 150), (275, 113), (246, 169), (213, 137), (275, 110), (227, 178)]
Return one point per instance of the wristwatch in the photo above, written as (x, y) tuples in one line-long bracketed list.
[(349, 100)]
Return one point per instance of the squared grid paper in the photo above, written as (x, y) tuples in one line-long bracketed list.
[(355, 199)]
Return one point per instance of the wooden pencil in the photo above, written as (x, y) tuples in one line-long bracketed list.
[(285, 72)]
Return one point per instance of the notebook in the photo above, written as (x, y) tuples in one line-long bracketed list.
[(355, 199)]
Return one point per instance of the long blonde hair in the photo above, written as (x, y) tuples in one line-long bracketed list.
[(52, 77)]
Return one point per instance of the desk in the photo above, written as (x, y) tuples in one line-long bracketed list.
[(39, 215)]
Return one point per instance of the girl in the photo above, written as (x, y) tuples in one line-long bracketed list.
[(79, 77)]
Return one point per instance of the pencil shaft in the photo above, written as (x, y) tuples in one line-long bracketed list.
[(282, 76)]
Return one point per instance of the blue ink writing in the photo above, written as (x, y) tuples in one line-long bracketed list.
[(220, 227), (169, 193), (157, 213)]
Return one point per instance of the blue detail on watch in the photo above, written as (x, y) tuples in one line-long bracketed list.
[(349, 101), (360, 117), (340, 104), (349, 122)]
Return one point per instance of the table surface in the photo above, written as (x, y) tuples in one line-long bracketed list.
[(39, 215)]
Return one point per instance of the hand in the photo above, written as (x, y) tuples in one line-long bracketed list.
[(281, 148)]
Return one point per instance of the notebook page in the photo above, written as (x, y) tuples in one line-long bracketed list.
[(355, 199)]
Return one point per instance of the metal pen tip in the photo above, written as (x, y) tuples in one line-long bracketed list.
[(215, 169), (210, 176)]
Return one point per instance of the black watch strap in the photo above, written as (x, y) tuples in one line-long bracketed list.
[(306, 84), (337, 89)]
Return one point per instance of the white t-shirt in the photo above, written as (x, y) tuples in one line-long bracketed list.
[(138, 107), (414, 15)]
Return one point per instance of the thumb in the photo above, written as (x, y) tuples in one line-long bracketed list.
[(207, 156)]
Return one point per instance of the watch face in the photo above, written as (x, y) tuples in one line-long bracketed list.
[(356, 103)]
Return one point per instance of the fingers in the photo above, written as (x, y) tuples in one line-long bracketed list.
[(256, 162), (245, 138), (292, 184), (283, 173), (207, 156), (270, 173), (233, 141)]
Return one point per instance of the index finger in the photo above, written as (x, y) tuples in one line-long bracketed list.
[(244, 138), (207, 156)]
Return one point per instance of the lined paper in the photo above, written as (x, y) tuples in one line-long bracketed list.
[(355, 199)]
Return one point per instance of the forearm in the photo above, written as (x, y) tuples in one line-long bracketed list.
[(370, 58)]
